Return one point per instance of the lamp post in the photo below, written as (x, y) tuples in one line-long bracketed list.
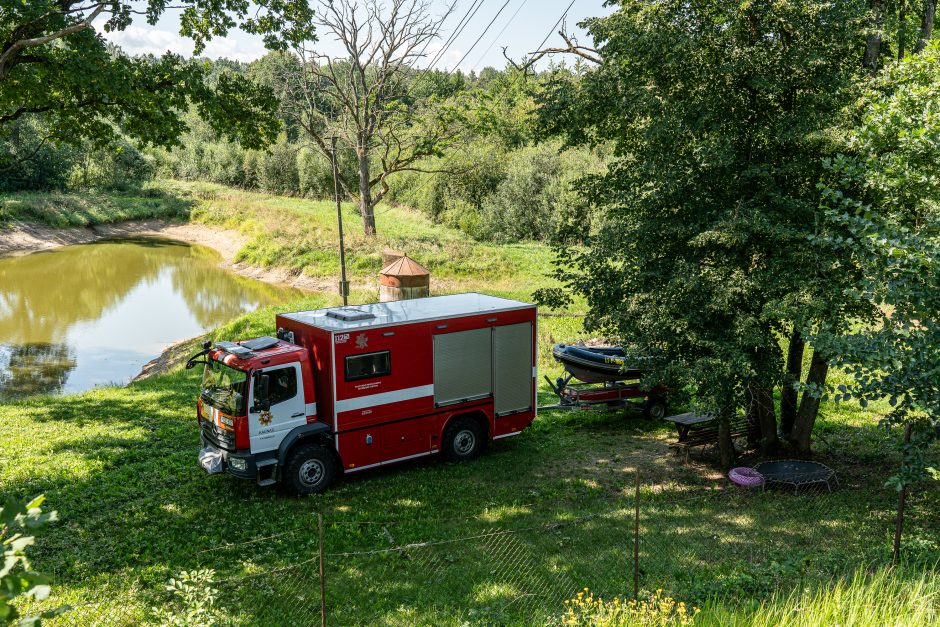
[(343, 284)]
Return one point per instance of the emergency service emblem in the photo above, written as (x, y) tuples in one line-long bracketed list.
[(362, 341), (265, 418)]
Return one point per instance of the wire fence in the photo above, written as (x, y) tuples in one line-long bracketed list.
[(519, 567)]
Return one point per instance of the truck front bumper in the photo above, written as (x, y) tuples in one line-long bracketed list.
[(214, 460)]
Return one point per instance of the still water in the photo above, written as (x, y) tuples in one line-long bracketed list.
[(94, 314)]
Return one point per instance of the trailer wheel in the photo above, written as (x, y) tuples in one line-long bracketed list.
[(464, 438), (310, 469), (655, 408)]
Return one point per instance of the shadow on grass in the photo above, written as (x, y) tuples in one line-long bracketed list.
[(503, 539)]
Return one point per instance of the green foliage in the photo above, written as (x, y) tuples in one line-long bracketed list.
[(886, 196), (17, 579), (194, 601), (56, 65), (719, 113)]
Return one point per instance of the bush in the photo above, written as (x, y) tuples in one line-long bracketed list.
[(277, 169), (17, 579), (120, 166)]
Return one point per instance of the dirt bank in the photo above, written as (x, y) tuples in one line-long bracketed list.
[(27, 237)]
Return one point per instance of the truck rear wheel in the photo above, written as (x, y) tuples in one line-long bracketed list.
[(310, 469), (464, 438)]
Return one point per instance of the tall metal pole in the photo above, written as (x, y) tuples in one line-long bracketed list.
[(343, 284)]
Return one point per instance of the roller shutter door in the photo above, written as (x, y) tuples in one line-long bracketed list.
[(512, 358), (463, 363)]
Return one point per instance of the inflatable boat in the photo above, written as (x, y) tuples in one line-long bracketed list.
[(595, 364)]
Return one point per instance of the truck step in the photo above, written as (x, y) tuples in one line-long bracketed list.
[(267, 482)]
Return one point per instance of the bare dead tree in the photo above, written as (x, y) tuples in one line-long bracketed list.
[(361, 96), (571, 46)]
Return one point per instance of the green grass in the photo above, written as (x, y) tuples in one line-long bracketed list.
[(90, 208), (502, 540), (897, 597), (302, 235), (119, 466)]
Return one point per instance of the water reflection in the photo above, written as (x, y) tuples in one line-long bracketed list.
[(93, 314)]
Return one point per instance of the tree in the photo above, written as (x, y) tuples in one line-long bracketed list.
[(363, 97), (721, 114), (54, 63), (886, 193)]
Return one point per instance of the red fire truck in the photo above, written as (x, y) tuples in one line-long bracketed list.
[(344, 389)]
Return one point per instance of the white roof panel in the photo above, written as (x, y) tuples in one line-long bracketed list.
[(397, 312)]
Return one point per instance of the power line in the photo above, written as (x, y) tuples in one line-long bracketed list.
[(456, 65), (498, 35), (542, 45), (461, 25)]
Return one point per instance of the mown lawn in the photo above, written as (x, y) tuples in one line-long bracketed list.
[(502, 540), (514, 533)]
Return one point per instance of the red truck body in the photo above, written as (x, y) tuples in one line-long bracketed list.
[(372, 385)]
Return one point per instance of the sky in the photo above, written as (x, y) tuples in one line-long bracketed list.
[(521, 26)]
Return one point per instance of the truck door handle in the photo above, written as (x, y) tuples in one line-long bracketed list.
[(297, 415)]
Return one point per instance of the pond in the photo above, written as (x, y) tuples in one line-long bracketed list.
[(81, 316)]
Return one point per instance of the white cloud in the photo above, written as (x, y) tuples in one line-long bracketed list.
[(135, 40)]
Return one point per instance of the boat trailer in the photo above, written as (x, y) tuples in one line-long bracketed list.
[(607, 396)]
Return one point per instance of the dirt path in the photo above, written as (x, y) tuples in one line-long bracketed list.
[(27, 237)]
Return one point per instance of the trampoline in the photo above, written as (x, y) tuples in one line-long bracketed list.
[(797, 473)]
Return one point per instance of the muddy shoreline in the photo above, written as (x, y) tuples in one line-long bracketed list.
[(29, 237)]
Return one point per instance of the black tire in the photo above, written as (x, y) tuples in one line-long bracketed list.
[(654, 408), (310, 469), (464, 438)]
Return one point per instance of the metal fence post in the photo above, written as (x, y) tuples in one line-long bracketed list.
[(322, 580), (902, 497), (636, 539)]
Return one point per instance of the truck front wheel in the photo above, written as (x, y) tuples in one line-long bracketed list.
[(310, 469), (464, 438)]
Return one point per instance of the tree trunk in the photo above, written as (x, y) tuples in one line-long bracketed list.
[(767, 415), (802, 435), (926, 24), (788, 395), (725, 445), (873, 41), (366, 208), (902, 29)]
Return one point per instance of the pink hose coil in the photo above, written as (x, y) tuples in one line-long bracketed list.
[(746, 477)]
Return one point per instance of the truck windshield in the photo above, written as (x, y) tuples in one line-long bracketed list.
[(224, 388)]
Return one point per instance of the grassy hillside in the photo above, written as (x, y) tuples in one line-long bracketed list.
[(301, 235)]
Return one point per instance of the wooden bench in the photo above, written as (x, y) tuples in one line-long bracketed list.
[(702, 430)]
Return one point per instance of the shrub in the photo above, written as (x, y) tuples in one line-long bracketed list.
[(17, 579)]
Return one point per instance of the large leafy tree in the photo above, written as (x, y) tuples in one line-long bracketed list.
[(55, 63), (886, 192), (721, 113)]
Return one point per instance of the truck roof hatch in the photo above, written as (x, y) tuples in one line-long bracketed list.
[(260, 343), (239, 351), (349, 314)]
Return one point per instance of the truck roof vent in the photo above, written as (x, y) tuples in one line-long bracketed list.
[(239, 351), (349, 314), (260, 343)]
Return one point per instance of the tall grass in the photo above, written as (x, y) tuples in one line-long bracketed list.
[(895, 597)]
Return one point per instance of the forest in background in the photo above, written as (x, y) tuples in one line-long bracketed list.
[(505, 178)]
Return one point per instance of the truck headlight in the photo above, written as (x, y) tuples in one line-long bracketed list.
[(238, 464)]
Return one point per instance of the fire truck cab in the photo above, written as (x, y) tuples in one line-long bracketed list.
[(344, 389)]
